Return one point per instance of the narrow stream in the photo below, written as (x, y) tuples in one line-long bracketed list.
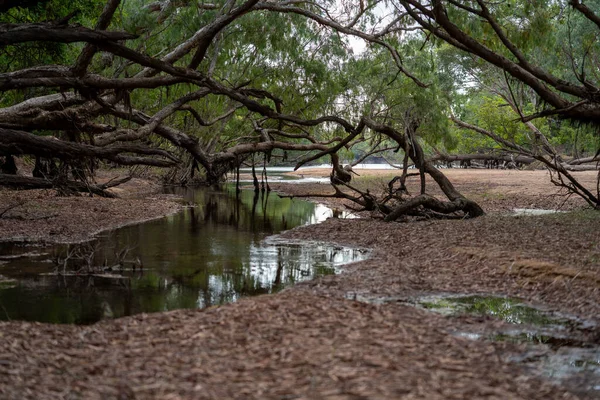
[(211, 253)]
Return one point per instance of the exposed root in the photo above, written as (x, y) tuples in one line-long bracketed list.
[(427, 202)]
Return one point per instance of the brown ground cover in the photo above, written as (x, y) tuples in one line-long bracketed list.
[(496, 190), (552, 259), (313, 341), (293, 345), (41, 215)]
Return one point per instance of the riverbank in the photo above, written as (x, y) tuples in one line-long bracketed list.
[(291, 345), (316, 340), (42, 216)]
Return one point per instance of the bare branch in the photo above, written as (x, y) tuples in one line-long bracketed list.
[(213, 121)]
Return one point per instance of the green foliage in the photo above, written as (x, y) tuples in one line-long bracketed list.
[(491, 112), (312, 70), (378, 89), (284, 54), (575, 140), (41, 53), (32, 54)]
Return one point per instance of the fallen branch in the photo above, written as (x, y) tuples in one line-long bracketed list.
[(585, 160), (12, 207), (482, 157), (26, 182)]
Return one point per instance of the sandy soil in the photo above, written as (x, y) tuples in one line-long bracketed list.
[(312, 341)]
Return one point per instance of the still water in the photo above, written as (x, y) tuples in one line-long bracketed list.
[(212, 253), (281, 174)]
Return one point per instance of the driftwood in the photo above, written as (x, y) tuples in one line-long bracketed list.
[(584, 160), (395, 205), (482, 157), (579, 167), (547, 155)]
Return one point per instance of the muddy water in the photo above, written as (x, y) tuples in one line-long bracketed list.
[(212, 253)]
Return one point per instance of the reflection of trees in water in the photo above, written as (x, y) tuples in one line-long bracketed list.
[(254, 203), (271, 268), (84, 300), (202, 257), (247, 210), (211, 210), (281, 265), (268, 269)]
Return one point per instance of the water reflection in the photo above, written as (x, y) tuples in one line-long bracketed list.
[(211, 253)]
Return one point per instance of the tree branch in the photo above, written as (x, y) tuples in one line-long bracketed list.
[(85, 58), (47, 32)]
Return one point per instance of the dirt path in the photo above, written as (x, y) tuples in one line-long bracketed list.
[(312, 342)]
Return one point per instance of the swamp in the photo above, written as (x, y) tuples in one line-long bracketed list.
[(280, 199)]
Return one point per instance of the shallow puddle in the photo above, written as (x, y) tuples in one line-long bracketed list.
[(569, 356), (507, 309), (212, 253), (559, 347), (553, 341), (533, 211), (576, 368)]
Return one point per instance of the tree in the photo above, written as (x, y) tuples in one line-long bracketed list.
[(210, 94), (546, 53), (498, 33)]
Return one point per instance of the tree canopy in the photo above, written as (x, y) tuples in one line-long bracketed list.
[(205, 86)]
